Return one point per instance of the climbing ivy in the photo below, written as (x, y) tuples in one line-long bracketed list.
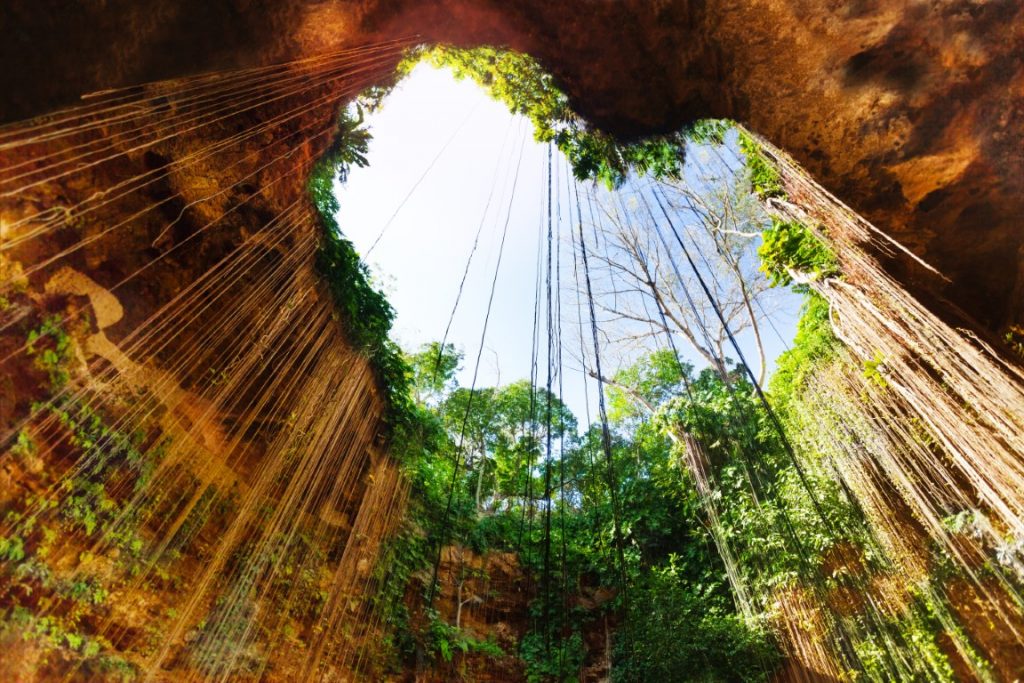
[(51, 346), (814, 344)]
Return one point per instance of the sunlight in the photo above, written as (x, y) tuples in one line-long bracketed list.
[(442, 152)]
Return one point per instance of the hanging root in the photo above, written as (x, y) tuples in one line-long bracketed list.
[(925, 425)]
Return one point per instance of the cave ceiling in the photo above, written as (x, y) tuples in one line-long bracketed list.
[(912, 113)]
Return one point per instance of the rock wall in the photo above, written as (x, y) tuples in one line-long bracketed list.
[(192, 480)]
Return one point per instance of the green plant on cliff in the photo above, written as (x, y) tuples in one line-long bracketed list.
[(110, 455), (790, 250), (366, 314), (425, 449), (765, 180), (794, 255), (918, 626), (814, 344), (520, 82), (84, 507), (52, 348), (444, 641)]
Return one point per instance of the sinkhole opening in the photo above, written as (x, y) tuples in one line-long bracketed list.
[(479, 393), (580, 316)]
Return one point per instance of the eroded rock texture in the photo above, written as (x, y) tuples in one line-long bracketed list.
[(913, 113)]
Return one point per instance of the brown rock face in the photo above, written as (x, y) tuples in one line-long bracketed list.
[(912, 113)]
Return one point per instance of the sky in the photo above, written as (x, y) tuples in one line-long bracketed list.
[(446, 161)]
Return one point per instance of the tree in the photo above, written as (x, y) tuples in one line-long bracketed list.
[(503, 430), (643, 280), (433, 372), (468, 415), (681, 627), (520, 82)]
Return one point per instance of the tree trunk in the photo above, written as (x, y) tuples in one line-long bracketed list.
[(480, 479)]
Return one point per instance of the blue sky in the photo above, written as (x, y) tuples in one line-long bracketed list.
[(442, 159)]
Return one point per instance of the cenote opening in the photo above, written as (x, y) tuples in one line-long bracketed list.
[(328, 369)]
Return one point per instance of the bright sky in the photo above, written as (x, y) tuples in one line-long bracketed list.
[(443, 152)]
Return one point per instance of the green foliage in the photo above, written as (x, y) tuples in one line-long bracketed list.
[(519, 82), (433, 371), (12, 548), (770, 522), (559, 659), (873, 370), (661, 515), (919, 627), (110, 456), (112, 668), (765, 179), (964, 521), (709, 131), (677, 592), (350, 145), (789, 248), (793, 255), (24, 447), (365, 312), (678, 629), (424, 448), (681, 622), (60, 635), (760, 492), (512, 78), (653, 381), (814, 345), (87, 590), (444, 641), (502, 430)]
